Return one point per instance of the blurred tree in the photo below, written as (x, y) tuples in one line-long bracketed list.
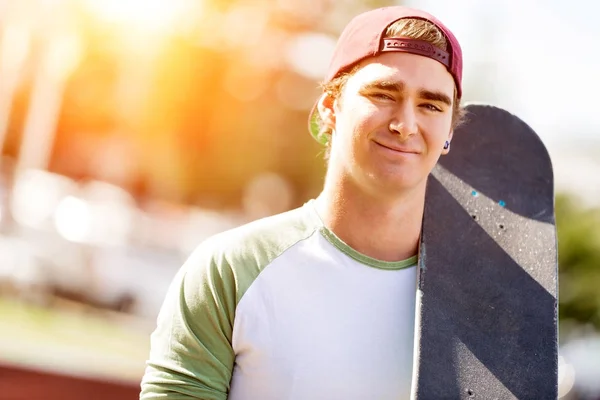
[(579, 262), (200, 110)]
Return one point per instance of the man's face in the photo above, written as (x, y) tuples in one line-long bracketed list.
[(391, 122)]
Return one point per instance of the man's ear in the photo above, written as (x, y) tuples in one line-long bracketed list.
[(449, 139), (326, 108)]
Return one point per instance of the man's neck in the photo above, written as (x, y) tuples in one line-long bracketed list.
[(386, 229)]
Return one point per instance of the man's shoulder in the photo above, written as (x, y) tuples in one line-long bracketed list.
[(271, 232), (246, 250)]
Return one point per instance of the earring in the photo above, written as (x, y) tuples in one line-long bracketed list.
[(446, 145)]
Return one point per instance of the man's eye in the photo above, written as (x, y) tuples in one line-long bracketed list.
[(431, 107), (382, 96)]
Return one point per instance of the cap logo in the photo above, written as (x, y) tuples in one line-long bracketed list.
[(415, 46)]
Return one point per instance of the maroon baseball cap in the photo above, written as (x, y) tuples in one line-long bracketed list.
[(363, 37)]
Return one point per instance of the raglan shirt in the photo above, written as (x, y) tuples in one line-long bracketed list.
[(281, 308)]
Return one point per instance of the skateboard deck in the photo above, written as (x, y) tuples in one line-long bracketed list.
[(487, 287)]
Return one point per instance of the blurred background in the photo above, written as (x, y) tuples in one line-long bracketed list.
[(130, 130)]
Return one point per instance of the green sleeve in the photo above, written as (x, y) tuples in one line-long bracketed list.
[(191, 356)]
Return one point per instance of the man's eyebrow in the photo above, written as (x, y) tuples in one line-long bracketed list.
[(435, 96), (398, 86), (384, 85)]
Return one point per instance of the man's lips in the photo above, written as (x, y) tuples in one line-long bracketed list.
[(395, 147)]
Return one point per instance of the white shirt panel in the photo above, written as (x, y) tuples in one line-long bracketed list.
[(317, 324)]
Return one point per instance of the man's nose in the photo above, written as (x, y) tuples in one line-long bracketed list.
[(404, 122)]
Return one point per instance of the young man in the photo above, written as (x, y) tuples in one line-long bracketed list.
[(318, 302)]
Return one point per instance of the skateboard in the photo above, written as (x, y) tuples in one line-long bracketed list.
[(486, 318)]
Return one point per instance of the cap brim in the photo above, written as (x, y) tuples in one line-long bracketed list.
[(314, 125)]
